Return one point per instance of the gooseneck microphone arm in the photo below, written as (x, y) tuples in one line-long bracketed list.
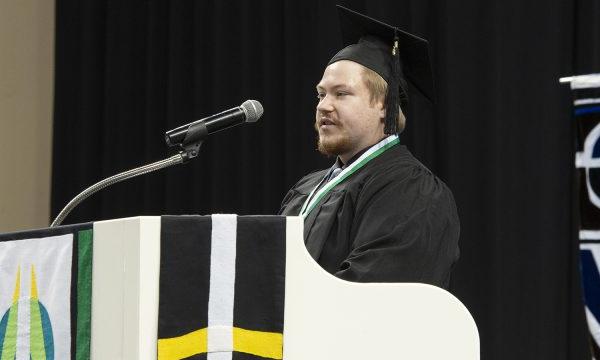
[(173, 160), (188, 137)]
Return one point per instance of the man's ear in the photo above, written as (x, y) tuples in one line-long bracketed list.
[(381, 110)]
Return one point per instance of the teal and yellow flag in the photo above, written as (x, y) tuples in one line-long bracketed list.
[(222, 285)]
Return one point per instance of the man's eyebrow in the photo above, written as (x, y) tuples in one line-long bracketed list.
[(334, 87)]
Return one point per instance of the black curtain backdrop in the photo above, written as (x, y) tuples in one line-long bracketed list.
[(500, 135)]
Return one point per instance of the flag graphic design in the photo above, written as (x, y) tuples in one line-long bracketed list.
[(41, 342), (222, 283), (45, 294), (38, 269)]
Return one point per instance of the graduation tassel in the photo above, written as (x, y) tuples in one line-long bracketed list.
[(392, 100)]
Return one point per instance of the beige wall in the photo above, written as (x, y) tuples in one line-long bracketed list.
[(26, 88)]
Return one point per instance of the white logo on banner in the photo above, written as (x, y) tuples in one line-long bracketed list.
[(586, 160)]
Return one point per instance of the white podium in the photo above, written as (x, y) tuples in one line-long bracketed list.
[(326, 318)]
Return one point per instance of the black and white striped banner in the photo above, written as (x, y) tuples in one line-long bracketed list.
[(222, 286)]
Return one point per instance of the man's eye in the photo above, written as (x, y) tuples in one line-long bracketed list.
[(341, 93), (320, 96)]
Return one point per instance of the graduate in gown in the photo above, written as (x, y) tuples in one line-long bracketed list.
[(378, 215)]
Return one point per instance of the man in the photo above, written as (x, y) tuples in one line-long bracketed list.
[(378, 215)]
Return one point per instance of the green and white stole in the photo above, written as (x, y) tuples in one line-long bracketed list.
[(313, 199)]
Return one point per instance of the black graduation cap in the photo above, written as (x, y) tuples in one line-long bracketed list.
[(394, 54)]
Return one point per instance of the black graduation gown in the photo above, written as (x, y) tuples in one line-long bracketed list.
[(391, 221)]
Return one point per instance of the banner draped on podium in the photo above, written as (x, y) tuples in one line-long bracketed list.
[(222, 287), (45, 293)]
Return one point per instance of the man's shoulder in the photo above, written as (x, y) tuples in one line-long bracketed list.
[(399, 169), (395, 165), (401, 186)]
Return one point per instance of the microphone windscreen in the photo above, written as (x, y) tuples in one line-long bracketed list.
[(253, 110)]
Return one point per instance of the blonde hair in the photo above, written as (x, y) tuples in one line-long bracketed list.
[(377, 86)]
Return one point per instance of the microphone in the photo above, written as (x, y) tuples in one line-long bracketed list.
[(249, 111)]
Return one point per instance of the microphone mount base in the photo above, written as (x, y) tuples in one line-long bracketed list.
[(193, 140), (190, 151)]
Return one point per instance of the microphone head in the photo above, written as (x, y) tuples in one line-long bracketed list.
[(252, 109)]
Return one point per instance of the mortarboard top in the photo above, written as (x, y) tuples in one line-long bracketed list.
[(370, 43)]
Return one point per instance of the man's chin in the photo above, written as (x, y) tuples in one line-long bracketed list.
[(332, 147)]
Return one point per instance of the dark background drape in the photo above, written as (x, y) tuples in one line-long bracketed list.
[(500, 134)]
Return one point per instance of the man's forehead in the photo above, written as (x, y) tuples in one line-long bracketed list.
[(341, 73)]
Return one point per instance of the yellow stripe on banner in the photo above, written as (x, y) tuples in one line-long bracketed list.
[(183, 346), (260, 343)]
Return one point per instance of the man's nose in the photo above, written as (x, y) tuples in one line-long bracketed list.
[(325, 104)]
